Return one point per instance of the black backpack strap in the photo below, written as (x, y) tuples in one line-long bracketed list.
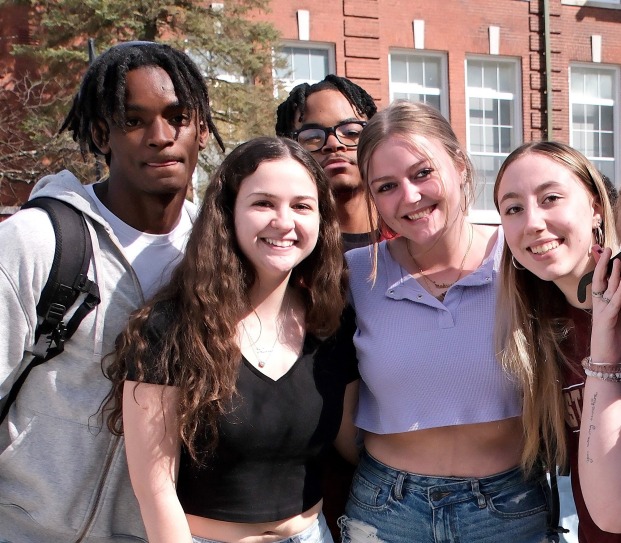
[(554, 515), (67, 280)]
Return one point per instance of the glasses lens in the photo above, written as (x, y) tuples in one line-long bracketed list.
[(312, 139), (348, 134)]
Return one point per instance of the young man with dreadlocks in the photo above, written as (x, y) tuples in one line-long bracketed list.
[(63, 476), (327, 118)]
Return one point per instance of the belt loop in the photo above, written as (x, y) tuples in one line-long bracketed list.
[(398, 490), (481, 502)]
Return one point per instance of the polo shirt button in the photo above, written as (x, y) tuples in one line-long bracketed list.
[(419, 296), (391, 291), (488, 278)]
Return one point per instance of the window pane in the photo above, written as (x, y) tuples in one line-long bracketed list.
[(416, 68), (591, 87), (398, 70), (606, 86), (432, 73), (606, 117), (577, 81), (475, 75), (319, 64), (607, 145), (505, 78), (476, 139), (301, 65), (490, 80), (433, 101)]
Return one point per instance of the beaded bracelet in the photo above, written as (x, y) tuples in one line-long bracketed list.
[(605, 372)]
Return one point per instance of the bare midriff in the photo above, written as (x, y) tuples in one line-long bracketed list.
[(469, 450), (261, 532)]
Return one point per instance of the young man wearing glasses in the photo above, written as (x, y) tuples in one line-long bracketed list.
[(327, 118), (63, 475)]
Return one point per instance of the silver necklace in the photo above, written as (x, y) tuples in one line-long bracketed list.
[(263, 354)]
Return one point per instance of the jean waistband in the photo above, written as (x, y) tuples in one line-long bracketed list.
[(491, 483)]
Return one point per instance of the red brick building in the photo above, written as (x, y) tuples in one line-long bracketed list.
[(502, 71)]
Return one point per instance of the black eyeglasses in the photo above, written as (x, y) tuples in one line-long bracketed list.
[(313, 138)]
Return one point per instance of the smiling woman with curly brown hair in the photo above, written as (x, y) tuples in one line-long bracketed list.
[(228, 386)]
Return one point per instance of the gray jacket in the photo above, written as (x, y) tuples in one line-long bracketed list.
[(63, 476)]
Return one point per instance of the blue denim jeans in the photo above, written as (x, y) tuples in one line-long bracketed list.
[(391, 506), (317, 532)]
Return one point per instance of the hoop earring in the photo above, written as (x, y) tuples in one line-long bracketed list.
[(598, 234), (516, 264)]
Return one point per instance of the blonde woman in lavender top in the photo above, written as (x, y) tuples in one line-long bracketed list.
[(440, 417)]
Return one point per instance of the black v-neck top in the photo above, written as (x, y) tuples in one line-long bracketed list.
[(266, 466)]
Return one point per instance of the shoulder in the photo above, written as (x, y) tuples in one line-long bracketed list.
[(27, 239)]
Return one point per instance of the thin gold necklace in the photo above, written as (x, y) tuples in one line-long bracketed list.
[(443, 286), (263, 354)]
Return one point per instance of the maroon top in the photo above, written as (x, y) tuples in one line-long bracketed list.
[(575, 348)]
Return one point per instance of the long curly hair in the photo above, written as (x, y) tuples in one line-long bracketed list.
[(531, 323), (207, 296)]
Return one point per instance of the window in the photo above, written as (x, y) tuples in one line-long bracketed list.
[(419, 77), (592, 115), (493, 123), (594, 3), (307, 64)]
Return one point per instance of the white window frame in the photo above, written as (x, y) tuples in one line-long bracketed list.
[(609, 4), (491, 216), (597, 101), (288, 83), (417, 88)]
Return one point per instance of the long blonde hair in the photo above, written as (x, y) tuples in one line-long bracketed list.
[(409, 120), (531, 322)]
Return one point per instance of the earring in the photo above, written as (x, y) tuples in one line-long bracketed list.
[(516, 264), (598, 234)]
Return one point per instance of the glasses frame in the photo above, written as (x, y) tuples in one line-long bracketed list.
[(327, 130)]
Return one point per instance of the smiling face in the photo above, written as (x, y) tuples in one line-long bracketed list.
[(416, 187), (548, 218), (157, 149), (328, 108), (277, 217)]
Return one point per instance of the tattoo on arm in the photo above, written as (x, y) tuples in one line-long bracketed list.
[(592, 428)]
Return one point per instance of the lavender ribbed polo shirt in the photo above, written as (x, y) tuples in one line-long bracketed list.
[(424, 363)]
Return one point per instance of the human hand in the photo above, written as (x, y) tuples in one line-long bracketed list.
[(606, 293)]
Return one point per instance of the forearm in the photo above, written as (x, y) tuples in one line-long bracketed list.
[(600, 453), (164, 518), (153, 447)]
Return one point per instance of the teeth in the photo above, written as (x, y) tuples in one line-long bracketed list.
[(544, 248), (419, 215), (279, 242)]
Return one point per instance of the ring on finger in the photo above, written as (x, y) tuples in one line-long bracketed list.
[(605, 300), (597, 294)]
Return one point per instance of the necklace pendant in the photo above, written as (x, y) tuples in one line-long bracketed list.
[(261, 363)]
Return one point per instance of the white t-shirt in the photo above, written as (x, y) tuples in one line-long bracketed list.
[(153, 256)]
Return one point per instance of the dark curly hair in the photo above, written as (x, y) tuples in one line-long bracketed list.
[(102, 93), (292, 109), (208, 296)]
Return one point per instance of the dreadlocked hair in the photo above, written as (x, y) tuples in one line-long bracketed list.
[(186, 335), (102, 93), (292, 109)]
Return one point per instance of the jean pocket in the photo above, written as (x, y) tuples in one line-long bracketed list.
[(367, 494), (518, 501)]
